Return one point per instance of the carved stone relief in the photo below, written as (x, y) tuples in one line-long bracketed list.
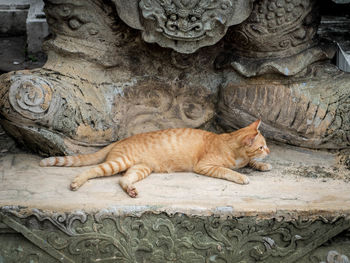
[(153, 105), (105, 236), (278, 37), (102, 82), (335, 257), (183, 25), (98, 88), (15, 248), (309, 111)]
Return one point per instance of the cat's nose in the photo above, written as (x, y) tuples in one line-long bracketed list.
[(267, 150)]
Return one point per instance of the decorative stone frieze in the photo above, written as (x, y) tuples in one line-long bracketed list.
[(107, 236)]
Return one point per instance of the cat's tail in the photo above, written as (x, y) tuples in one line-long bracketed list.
[(78, 160)]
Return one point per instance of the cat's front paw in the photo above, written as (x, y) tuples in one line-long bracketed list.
[(261, 166), (243, 179), (265, 167)]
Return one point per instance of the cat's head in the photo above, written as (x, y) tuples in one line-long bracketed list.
[(253, 142)]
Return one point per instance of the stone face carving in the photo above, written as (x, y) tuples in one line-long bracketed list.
[(183, 25), (106, 236), (279, 36)]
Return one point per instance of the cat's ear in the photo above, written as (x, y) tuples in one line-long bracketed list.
[(249, 139), (255, 125)]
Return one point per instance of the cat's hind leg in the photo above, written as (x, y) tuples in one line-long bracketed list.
[(133, 175), (108, 168), (222, 173)]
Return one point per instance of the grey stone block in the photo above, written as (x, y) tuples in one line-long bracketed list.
[(37, 28), (343, 59), (13, 15), (341, 1)]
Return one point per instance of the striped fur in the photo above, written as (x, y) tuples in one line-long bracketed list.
[(172, 150)]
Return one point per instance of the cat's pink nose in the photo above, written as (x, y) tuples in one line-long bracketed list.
[(267, 150)]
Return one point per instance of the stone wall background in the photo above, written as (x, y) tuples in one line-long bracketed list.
[(23, 28)]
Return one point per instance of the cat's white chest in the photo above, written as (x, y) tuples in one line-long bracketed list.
[(239, 162)]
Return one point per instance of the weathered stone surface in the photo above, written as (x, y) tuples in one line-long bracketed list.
[(281, 216), (309, 111), (157, 238), (334, 251), (287, 66), (305, 181), (278, 37), (102, 83), (16, 248), (184, 26)]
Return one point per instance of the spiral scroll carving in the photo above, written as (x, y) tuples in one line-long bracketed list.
[(32, 97)]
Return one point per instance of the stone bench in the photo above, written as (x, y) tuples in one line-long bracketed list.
[(284, 215)]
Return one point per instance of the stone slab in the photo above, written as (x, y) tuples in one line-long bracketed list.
[(304, 182)]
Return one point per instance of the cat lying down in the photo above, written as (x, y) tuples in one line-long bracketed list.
[(173, 150)]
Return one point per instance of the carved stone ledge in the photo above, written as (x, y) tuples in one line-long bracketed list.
[(106, 236)]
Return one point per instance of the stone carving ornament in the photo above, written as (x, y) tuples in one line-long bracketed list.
[(278, 37), (183, 25), (108, 236), (102, 82)]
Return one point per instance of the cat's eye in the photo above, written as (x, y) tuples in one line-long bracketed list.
[(261, 147)]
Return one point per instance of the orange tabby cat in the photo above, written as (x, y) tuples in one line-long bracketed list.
[(173, 150)]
